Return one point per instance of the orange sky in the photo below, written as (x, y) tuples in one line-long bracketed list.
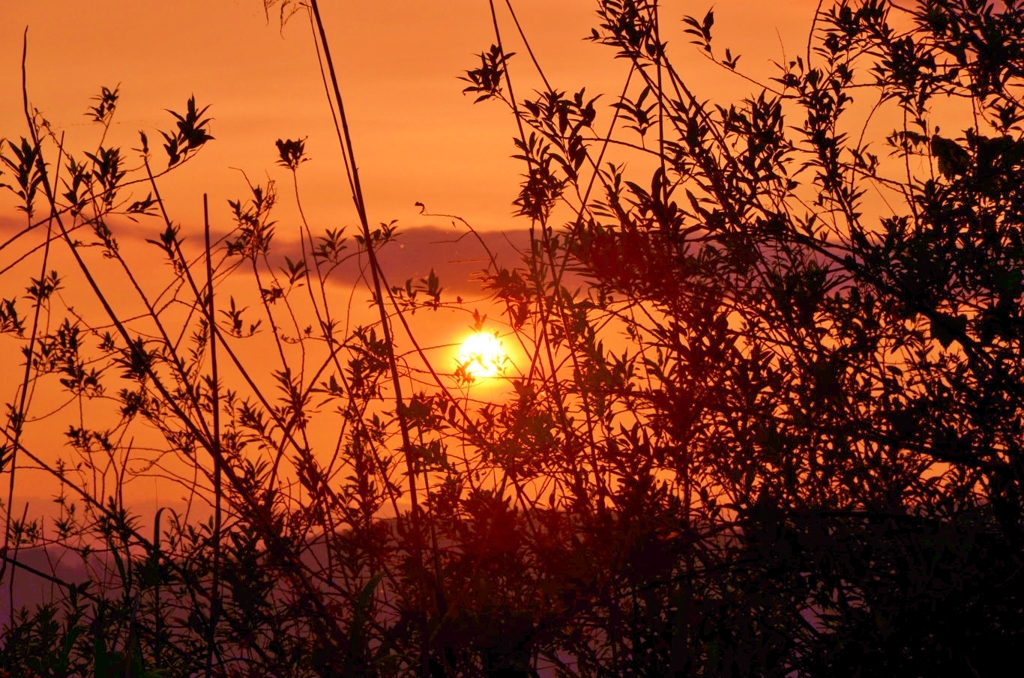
[(416, 136)]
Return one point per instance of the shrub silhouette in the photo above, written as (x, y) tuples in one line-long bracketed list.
[(769, 422)]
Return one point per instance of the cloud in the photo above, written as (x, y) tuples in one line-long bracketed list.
[(456, 256)]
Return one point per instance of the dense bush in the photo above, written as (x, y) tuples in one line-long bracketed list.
[(769, 421)]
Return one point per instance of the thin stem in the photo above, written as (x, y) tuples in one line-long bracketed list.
[(215, 405)]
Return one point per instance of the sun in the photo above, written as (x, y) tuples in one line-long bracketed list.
[(482, 356)]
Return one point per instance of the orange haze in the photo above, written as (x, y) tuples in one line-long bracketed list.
[(417, 138)]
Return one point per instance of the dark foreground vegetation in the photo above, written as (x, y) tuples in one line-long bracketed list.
[(777, 431)]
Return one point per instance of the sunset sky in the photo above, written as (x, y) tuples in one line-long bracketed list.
[(417, 137)]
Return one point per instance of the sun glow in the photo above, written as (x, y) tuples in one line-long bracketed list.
[(482, 356)]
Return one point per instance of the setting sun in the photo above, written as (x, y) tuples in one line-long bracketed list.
[(482, 356)]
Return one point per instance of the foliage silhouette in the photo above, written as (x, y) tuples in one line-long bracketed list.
[(769, 422)]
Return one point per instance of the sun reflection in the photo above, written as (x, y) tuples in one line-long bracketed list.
[(481, 356)]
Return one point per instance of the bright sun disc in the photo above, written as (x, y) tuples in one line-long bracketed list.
[(482, 355)]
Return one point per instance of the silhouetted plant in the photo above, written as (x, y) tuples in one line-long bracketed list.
[(768, 424)]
